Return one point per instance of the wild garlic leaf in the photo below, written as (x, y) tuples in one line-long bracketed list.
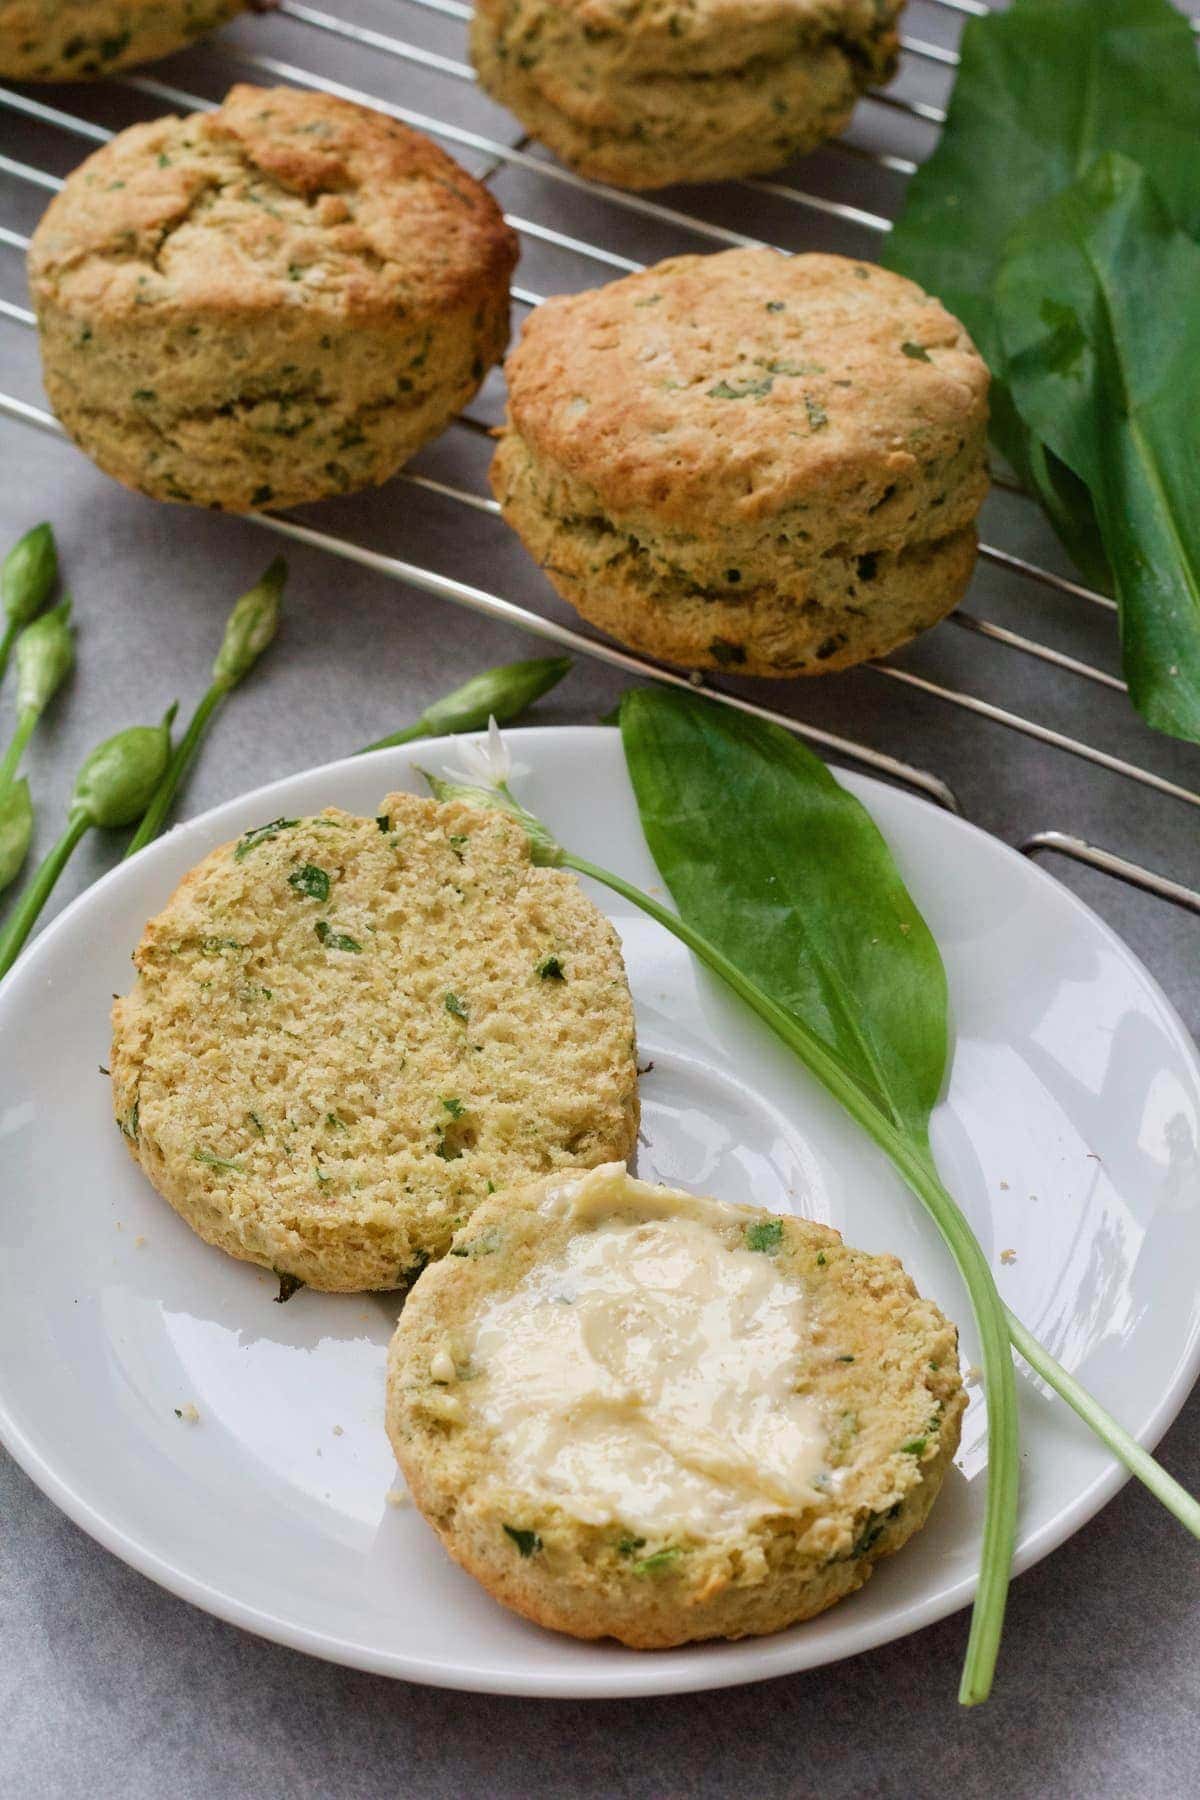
[(1041, 92), (1102, 336), (789, 876)]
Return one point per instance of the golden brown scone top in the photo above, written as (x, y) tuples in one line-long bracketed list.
[(277, 199), (733, 383)]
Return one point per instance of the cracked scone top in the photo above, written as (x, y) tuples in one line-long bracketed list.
[(74, 40), (266, 304), (749, 460), (345, 1033), (646, 92), (638, 1413)]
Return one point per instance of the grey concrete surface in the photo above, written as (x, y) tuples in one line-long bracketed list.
[(109, 1686)]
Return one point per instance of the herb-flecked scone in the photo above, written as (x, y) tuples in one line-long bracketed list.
[(749, 461), (269, 303), (346, 1033), (634, 1413), (74, 40), (645, 92)]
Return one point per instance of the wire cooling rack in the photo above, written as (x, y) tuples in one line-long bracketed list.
[(410, 63)]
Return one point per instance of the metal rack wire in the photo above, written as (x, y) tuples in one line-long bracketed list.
[(918, 54)]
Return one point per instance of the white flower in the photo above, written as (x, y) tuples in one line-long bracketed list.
[(485, 761)]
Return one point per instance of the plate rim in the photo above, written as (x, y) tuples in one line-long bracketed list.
[(782, 1655)]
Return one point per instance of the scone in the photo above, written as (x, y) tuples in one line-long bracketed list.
[(345, 1033), (659, 91), (637, 1414), (73, 40), (269, 303), (749, 461)]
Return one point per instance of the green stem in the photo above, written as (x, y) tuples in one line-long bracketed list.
[(39, 890), (16, 749), (407, 736), (1139, 1462), (184, 754), (1000, 1514), (6, 644)]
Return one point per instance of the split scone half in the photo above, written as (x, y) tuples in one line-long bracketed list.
[(346, 1033), (748, 461), (633, 1413)]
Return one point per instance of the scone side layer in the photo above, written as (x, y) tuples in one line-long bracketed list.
[(802, 615), (264, 412)]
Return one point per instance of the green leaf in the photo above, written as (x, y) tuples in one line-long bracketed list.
[(227, 1164), (310, 880), (1098, 303), (787, 892), (336, 940), (1041, 92), (766, 1235), (261, 834), (526, 1541), (659, 1563), (865, 976), (746, 390)]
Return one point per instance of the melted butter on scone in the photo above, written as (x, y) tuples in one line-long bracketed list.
[(647, 1376)]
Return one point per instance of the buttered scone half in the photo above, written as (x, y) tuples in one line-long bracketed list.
[(647, 92), (346, 1033), (634, 1413), (74, 40), (749, 461), (266, 304)]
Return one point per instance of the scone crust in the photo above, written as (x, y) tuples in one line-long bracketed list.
[(903, 1388), (77, 40), (650, 93), (269, 303), (343, 1037), (749, 460)]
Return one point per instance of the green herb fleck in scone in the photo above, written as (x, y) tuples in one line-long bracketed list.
[(75, 40), (657, 91), (749, 461), (270, 303), (637, 1414), (339, 1041)]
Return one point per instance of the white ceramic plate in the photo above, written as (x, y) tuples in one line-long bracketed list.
[(1069, 1134)]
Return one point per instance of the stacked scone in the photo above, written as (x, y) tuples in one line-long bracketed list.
[(657, 91), (74, 40), (270, 303), (749, 461)]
